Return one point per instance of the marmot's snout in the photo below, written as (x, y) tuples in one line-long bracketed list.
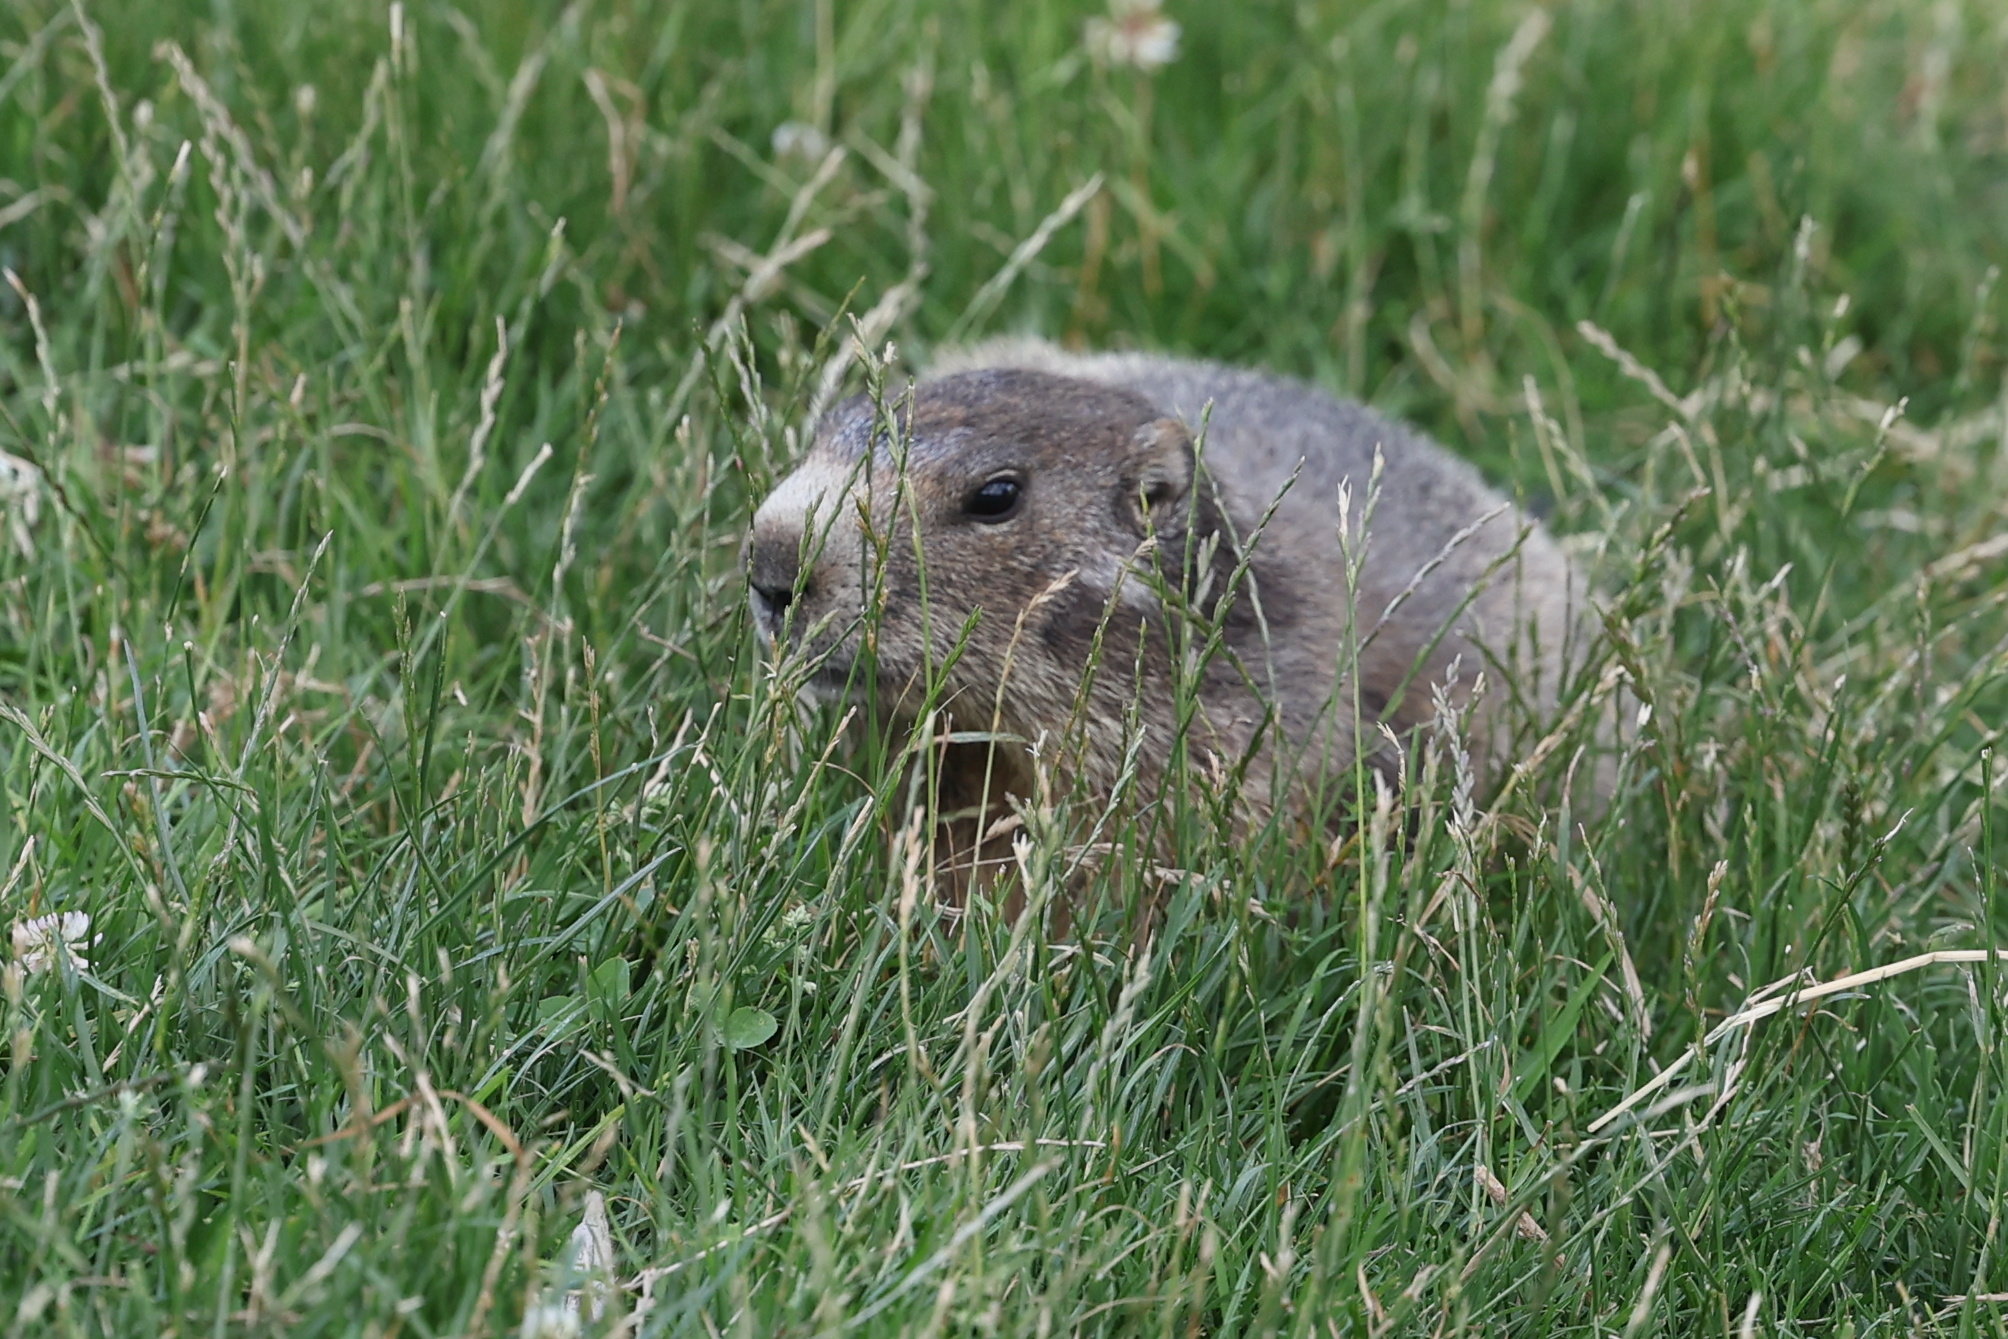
[(792, 520), (774, 572)]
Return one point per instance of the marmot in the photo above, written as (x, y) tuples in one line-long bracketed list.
[(1310, 572)]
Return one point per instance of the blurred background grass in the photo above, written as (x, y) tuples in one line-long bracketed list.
[(449, 848)]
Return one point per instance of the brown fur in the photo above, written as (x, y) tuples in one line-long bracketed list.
[(1127, 542)]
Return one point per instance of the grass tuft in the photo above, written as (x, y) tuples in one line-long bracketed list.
[(383, 395)]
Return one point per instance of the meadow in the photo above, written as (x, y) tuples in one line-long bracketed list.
[(384, 392)]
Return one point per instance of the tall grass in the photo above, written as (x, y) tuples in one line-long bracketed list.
[(384, 390)]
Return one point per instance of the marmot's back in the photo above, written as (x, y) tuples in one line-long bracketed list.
[(1434, 517)]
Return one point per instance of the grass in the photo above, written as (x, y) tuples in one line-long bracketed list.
[(374, 672)]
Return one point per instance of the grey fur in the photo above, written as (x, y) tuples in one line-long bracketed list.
[(1453, 580)]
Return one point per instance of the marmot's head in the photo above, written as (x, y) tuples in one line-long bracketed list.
[(977, 533)]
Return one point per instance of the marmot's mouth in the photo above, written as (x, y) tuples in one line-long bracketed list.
[(845, 668), (837, 675), (844, 676)]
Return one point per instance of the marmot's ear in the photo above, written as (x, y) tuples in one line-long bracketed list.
[(1160, 469)]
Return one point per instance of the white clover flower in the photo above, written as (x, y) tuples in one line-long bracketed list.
[(20, 500), (1135, 33), (798, 141), (797, 917), (35, 940)]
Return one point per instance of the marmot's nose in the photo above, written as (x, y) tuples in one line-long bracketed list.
[(774, 570), (773, 601)]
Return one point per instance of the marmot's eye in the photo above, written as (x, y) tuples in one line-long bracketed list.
[(996, 500)]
